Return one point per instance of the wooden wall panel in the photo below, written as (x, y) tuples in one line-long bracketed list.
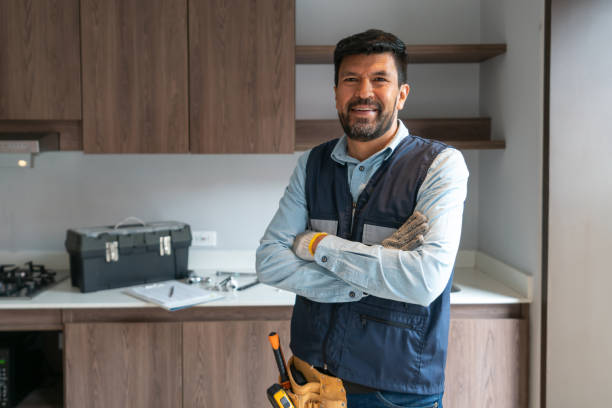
[(123, 365), (134, 76), (230, 364), (40, 71), (487, 364), (242, 76)]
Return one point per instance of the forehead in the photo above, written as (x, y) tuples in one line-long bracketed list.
[(368, 63)]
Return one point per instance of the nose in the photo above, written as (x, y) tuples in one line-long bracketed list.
[(364, 90)]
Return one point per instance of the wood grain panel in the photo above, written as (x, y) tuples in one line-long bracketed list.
[(487, 364), (40, 71), (494, 311), (230, 364), (242, 76), (69, 131), (468, 133), (417, 54), (34, 319), (155, 314), (123, 365), (134, 76)]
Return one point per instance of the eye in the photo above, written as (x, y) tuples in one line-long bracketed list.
[(380, 79), (350, 79)]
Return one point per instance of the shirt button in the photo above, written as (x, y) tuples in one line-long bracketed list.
[(323, 259), (352, 294), (361, 168)]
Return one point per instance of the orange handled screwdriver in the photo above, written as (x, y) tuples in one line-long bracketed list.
[(280, 360)]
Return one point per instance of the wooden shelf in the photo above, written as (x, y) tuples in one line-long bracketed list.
[(464, 133), (417, 54)]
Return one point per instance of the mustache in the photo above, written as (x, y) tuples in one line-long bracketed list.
[(366, 101)]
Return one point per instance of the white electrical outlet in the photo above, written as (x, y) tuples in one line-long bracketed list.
[(204, 238)]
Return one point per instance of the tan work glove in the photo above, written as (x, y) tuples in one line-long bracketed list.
[(320, 390), (410, 235), (305, 243)]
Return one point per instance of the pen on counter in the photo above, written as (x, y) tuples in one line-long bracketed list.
[(171, 291), (248, 285)]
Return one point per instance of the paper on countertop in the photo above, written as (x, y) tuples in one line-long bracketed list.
[(183, 295)]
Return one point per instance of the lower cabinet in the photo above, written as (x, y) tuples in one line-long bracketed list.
[(123, 365), (209, 359), (487, 363), (230, 364)]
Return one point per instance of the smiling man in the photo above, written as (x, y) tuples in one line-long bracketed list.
[(349, 238)]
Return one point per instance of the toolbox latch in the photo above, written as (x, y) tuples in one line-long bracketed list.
[(165, 245), (112, 251)]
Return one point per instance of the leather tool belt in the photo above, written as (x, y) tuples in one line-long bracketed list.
[(319, 390)]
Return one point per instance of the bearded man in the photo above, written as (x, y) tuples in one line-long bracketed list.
[(366, 235)]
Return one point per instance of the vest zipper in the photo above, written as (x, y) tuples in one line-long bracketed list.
[(353, 218), (365, 318), (332, 322)]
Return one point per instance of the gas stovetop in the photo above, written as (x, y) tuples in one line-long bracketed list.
[(28, 280)]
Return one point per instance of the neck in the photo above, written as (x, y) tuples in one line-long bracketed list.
[(363, 150)]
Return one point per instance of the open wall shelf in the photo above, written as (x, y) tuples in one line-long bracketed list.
[(417, 54), (464, 133), (472, 133)]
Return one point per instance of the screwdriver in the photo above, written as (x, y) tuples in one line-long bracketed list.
[(280, 360)]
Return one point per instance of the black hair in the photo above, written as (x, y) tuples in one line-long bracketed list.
[(373, 42)]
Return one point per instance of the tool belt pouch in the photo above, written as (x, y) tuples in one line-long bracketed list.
[(319, 391)]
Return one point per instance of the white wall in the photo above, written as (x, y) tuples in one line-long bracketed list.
[(580, 227), (237, 195)]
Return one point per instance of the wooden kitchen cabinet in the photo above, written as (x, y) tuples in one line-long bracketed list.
[(40, 71), (230, 363), (242, 76), (123, 365), (218, 357), (134, 56), (487, 363)]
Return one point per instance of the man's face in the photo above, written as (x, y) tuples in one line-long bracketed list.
[(368, 96)]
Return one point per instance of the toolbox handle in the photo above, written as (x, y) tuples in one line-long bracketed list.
[(129, 219)]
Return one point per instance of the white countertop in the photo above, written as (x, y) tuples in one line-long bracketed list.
[(476, 288)]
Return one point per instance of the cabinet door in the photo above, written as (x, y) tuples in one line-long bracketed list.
[(123, 365), (134, 76), (242, 76), (487, 364), (230, 363), (40, 72)]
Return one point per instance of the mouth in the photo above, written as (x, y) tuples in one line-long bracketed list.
[(363, 111)]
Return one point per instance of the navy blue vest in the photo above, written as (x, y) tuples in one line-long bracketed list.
[(376, 342)]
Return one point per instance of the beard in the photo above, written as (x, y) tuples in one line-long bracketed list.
[(362, 129)]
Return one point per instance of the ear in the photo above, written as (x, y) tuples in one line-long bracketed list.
[(402, 96)]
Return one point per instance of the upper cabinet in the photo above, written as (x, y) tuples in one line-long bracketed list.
[(40, 77), (134, 56), (242, 76)]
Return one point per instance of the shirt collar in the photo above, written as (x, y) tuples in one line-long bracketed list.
[(340, 152)]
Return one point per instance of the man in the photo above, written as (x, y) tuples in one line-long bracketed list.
[(373, 315)]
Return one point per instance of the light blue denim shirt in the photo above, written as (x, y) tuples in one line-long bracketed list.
[(351, 268)]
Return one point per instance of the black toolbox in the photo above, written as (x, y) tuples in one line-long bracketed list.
[(117, 256)]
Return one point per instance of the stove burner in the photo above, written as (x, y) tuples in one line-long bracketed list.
[(24, 281)]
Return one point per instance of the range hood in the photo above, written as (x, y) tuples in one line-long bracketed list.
[(16, 149)]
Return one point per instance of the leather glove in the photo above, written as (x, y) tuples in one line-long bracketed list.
[(410, 235), (304, 243)]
